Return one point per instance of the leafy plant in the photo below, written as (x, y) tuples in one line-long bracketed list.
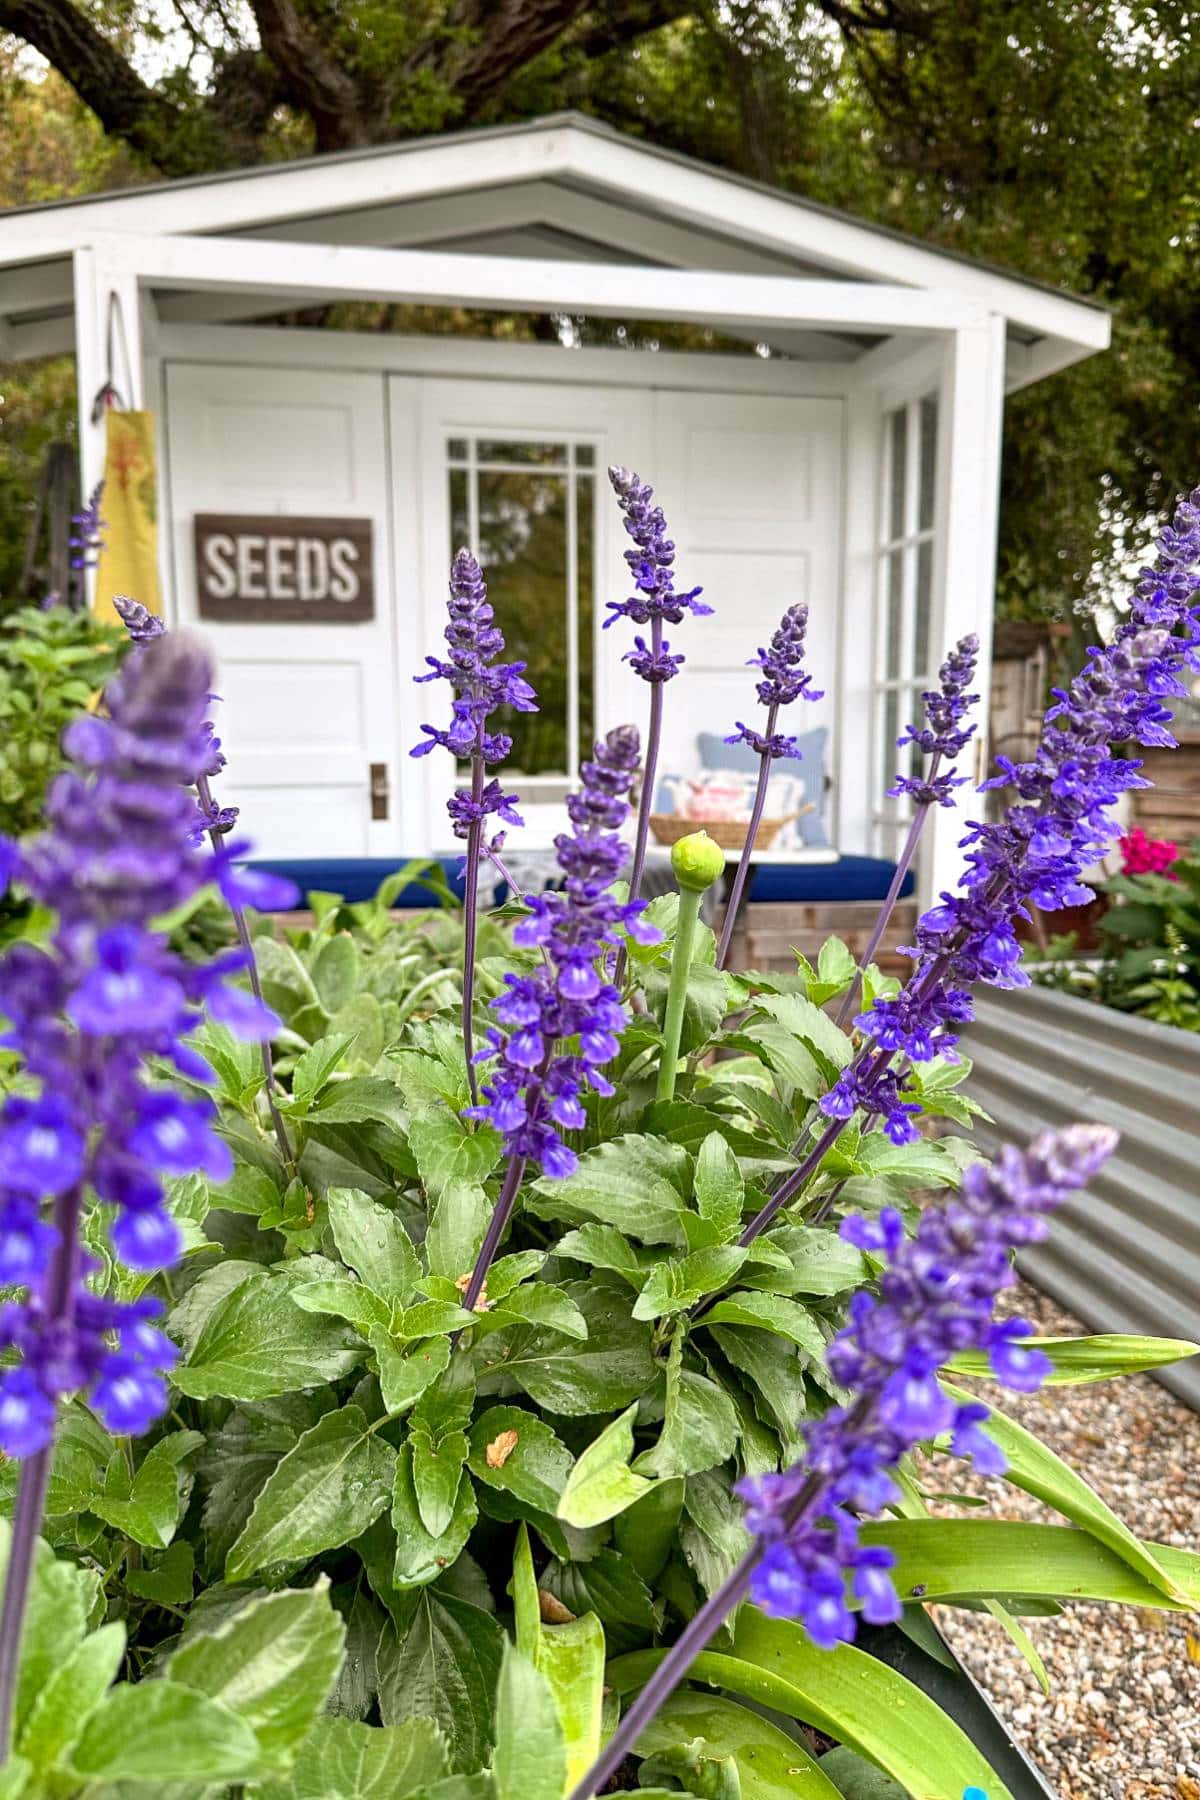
[(52, 662)]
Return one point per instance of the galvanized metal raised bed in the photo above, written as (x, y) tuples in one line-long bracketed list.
[(1125, 1256)]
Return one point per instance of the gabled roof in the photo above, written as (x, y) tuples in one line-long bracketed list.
[(563, 186)]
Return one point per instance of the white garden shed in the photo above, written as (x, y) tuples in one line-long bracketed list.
[(849, 456)]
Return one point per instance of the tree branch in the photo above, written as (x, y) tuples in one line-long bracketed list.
[(487, 41), (315, 80)]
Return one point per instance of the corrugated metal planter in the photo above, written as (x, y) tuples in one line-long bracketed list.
[(1125, 1256)]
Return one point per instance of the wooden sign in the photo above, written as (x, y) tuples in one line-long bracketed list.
[(278, 569)]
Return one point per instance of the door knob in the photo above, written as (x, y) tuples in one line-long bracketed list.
[(381, 792)]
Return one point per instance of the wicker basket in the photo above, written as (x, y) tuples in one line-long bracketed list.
[(730, 834)]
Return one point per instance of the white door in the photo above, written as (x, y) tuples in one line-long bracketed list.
[(307, 714), (517, 472)]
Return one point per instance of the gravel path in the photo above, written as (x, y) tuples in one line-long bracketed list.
[(1122, 1721)]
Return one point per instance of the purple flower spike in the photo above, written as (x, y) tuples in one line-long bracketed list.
[(943, 734), (138, 620), (535, 1092), (936, 1298), (651, 562), (87, 1015), (87, 540)]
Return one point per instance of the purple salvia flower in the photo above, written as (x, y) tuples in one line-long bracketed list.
[(651, 560), (562, 1021), (936, 1298), (141, 624), (937, 1294), (87, 541), (784, 679), (481, 683)]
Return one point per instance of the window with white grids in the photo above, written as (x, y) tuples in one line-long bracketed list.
[(906, 656)]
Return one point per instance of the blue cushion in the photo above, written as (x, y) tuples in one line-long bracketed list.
[(357, 877), (850, 878), (715, 753)]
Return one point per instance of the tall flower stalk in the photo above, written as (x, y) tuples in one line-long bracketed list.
[(240, 887), (651, 560), (936, 1298), (1058, 824), (86, 1015), (783, 680), (941, 739), (481, 684), (562, 1020)]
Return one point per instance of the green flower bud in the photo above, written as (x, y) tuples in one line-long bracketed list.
[(697, 861)]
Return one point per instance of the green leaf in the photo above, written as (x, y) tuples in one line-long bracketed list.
[(447, 1150), (514, 1450), (635, 1183), (770, 1312), (344, 1299), (315, 1066), (713, 1537), (815, 1029), (785, 1056), (242, 1454), (602, 1484), (148, 1508), (148, 1731), (646, 1532), (256, 1343), (720, 1190), (844, 1692), (324, 1492), (349, 1761), (436, 1474), (672, 1287), (604, 1374), (360, 1100), (460, 1218), (775, 1373), (406, 1371), (445, 1667), (1084, 1359), (572, 1659), (700, 1424), (709, 1773), (335, 973), (273, 1664), (817, 1263), (430, 1318), (603, 1247), (371, 1241), (608, 1585), (530, 1756), (689, 1124), (972, 1559), (707, 1000), (169, 1582), (539, 1303), (858, 1779), (1033, 1466), (422, 1555), (70, 1696), (772, 1765)]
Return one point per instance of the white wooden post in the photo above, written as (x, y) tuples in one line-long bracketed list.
[(970, 430), (855, 770)]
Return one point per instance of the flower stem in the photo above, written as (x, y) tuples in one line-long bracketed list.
[(471, 918), (681, 967), (501, 1214), (646, 796), (30, 1506), (733, 904), (246, 944), (904, 863)]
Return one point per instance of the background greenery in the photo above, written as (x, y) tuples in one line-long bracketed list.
[(1056, 137)]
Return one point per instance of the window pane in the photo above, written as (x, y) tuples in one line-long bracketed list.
[(585, 516), (523, 549), (456, 449), (924, 609), (888, 754), (895, 609), (929, 421), (460, 512), (899, 472), (496, 450), (585, 456)]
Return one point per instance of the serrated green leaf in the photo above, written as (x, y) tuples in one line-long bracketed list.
[(604, 1374), (141, 1732), (636, 1183), (445, 1667), (456, 1229), (447, 1150), (530, 1756), (673, 1286), (713, 1536), (608, 1585), (335, 972), (70, 1696), (647, 1531), (436, 1473), (539, 1303), (361, 1099), (273, 1664), (815, 1029), (149, 1506), (771, 1312), (351, 1761), (603, 1247), (700, 1424), (324, 1492), (515, 1451), (602, 1484), (169, 1582), (255, 1343), (422, 1555), (242, 1454), (316, 1065), (372, 1241), (720, 1190), (816, 1262), (406, 1370), (350, 1300), (775, 1372)]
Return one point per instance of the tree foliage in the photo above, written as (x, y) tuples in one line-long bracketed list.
[(1055, 138)]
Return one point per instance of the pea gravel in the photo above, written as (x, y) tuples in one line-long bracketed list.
[(1122, 1721)]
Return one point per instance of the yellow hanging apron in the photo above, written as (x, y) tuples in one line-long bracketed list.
[(128, 561)]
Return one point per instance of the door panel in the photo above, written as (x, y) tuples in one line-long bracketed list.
[(306, 708)]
